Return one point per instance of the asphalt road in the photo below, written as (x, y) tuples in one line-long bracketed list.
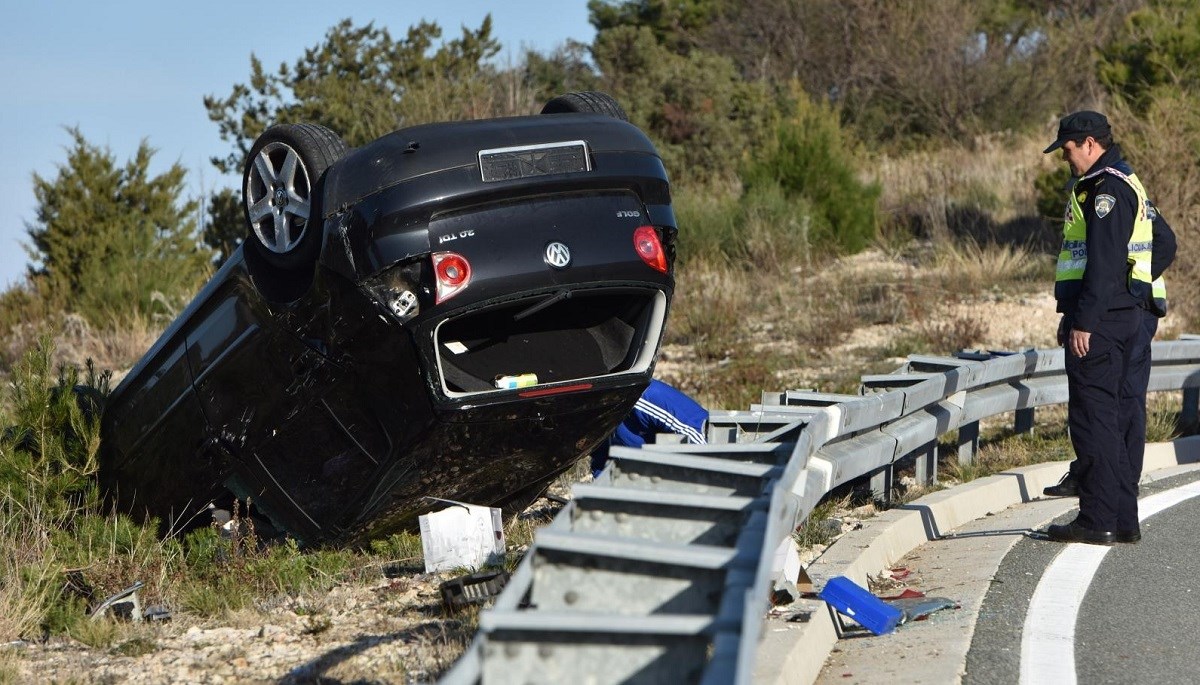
[(1138, 620), (1137, 616)]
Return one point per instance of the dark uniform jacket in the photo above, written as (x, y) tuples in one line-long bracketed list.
[(1105, 283), (1163, 252)]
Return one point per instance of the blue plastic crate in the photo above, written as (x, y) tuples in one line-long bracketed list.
[(869, 611)]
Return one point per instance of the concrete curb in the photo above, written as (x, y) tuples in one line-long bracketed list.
[(795, 652)]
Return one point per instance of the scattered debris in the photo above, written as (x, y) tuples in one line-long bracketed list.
[(462, 536), (908, 593), (830, 528), (791, 580), (890, 581), (157, 612), (849, 599), (124, 604), (472, 589), (803, 583), (918, 608)]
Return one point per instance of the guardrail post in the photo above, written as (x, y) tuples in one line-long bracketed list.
[(1024, 421), (882, 482), (1191, 407), (968, 442), (721, 435), (925, 464)]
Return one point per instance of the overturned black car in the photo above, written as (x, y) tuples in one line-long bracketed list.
[(456, 310)]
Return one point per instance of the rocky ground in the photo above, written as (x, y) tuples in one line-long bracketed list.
[(392, 629), (389, 631)]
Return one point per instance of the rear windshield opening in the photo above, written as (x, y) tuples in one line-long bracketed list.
[(549, 339)]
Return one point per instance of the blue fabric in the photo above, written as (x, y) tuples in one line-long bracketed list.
[(660, 409)]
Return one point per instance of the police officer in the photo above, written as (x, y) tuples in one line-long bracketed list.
[(1133, 394), (1102, 285)]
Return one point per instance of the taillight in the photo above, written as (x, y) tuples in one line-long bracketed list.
[(649, 248), (452, 273)]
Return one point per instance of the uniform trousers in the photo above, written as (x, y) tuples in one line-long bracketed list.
[(1133, 401), (1133, 395), (1098, 383)]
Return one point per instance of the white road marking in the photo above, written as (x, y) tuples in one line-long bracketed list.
[(1048, 638)]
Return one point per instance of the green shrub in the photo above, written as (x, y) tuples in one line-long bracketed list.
[(283, 568), (107, 238), (20, 304), (764, 230), (776, 229), (399, 549), (1051, 187), (1158, 46), (708, 221), (703, 116), (812, 161), (48, 451)]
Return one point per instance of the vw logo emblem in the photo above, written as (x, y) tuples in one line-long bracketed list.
[(557, 255)]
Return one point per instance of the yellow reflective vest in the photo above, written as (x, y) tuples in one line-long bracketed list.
[(1072, 257)]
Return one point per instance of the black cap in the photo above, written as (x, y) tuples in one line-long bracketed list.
[(1079, 125)]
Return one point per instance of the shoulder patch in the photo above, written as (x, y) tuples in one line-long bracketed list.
[(1104, 204)]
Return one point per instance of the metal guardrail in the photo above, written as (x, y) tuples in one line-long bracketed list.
[(661, 570)]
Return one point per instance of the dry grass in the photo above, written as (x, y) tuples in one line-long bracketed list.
[(709, 308), (816, 528), (10, 673), (734, 333), (1001, 450), (1163, 417), (969, 266), (959, 332), (76, 341), (27, 571), (992, 174)]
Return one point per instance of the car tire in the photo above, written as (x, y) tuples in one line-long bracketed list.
[(586, 102), (281, 191)]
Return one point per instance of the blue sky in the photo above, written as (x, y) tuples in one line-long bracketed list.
[(127, 71)]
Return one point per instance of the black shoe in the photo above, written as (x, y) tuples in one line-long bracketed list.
[(1067, 487), (1128, 536), (1072, 532)]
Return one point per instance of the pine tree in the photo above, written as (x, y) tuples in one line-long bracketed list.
[(224, 223), (362, 83), (107, 238)]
